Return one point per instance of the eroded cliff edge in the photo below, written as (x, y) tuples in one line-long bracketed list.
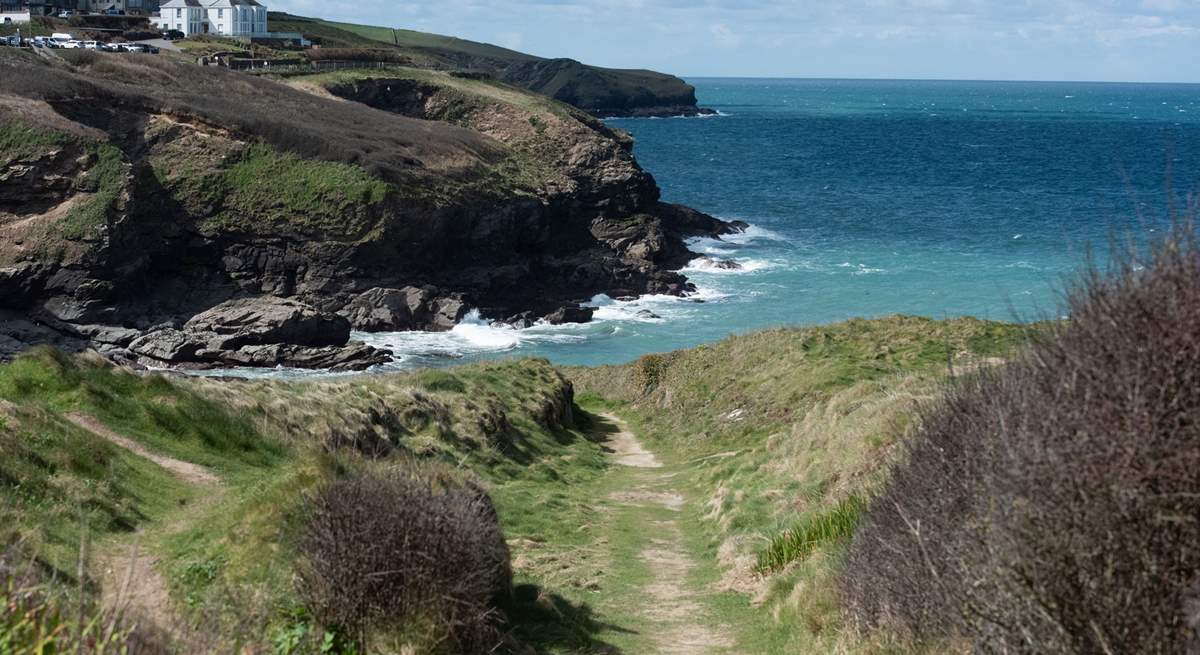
[(159, 212)]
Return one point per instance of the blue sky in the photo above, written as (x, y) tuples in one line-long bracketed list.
[(1129, 40)]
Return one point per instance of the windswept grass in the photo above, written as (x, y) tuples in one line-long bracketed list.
[(106, 181), (266, 191), (19, 139), (779, 431), (814, 531)]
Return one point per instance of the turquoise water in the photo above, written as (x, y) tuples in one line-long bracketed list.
[(871, 198)]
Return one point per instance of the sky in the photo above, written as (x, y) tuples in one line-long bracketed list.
[(1104, 40)]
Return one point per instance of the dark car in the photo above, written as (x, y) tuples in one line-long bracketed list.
[(172, 35)]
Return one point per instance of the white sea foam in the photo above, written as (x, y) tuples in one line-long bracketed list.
[(710, 265), (754, 233), (863, 269)]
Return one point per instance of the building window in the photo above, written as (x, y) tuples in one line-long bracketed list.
[(220, 13), (179, 13)]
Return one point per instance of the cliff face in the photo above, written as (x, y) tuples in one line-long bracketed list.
[(603, 92), (137, 194)]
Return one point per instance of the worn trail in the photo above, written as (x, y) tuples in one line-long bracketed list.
[(666, 599), (129, 573)]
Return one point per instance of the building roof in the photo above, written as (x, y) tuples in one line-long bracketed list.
[(175, 4)]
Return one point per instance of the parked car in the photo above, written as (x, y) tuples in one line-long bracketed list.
[(172, 35), (90, 45), (39, 42), (72, 44), (66, 14)]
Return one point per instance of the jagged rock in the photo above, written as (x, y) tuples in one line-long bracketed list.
[(167, 248), (409, 308), (570, 314), (646, 313), (354, 356), (445, 313), (269, 320), (382, 310), (107, 334), (523, 320), (170, 346), (721, 264)]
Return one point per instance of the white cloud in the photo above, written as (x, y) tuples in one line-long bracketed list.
[(724, 36), (1063, 39)]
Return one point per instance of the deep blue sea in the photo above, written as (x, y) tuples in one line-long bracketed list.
[(870, 198)]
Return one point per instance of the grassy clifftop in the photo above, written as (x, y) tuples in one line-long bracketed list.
[(598, 90)]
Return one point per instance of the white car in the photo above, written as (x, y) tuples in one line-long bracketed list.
[(90, 45), (71, 45)]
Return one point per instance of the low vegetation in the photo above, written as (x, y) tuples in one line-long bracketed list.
[(779, 435), (282, 461), (407, 550), (1051, 506), (590, 88)]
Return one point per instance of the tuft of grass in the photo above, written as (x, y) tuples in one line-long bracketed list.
[(266, 190), (815, 531), (19, 140), (435, 380), (106, 181)]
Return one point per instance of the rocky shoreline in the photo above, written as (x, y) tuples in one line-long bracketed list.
[(167, 232)]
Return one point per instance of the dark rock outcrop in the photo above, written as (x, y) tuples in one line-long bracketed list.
[(268, 320), (411, 308), (150, 214), (570, 314), (603, 92), (263, 331)]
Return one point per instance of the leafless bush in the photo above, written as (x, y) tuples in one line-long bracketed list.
[(415, 552), (1054, 506)]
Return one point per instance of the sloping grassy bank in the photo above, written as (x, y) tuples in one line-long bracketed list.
[(782, 434), (771, 442), (227, 551)]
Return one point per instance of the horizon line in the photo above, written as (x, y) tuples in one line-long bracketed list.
[(921, 79)]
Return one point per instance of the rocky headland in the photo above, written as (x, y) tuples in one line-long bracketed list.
[(170, 215)]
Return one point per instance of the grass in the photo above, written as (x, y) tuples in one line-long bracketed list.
[(227, 553), (587, 87), (20, 140), (105, 180), (266, 191), (774, 438), (350, 34), (775, 434), (815, 531)]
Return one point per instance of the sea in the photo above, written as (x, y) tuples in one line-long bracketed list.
[(873, 198)]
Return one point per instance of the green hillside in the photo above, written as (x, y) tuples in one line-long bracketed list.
[(598, 90)]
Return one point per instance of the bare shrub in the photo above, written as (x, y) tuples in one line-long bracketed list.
[(1054, 505), (416, 552)]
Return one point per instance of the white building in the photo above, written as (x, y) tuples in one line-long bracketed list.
[(218, 17), (237, 17)]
